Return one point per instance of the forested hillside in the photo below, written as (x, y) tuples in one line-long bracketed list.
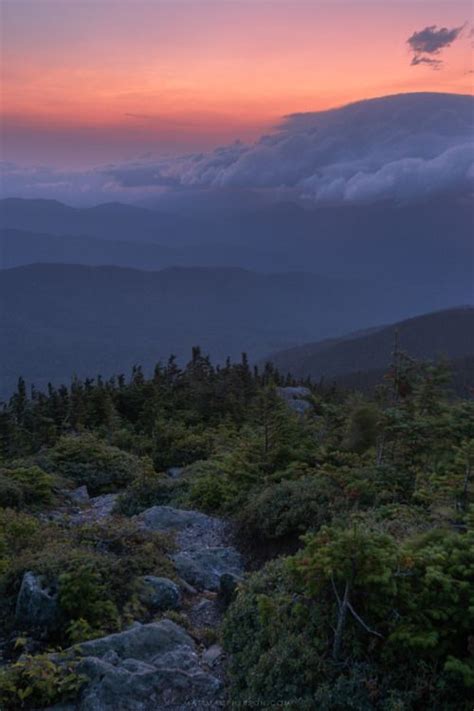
[(445, 334), (353, 515), (59, 320)]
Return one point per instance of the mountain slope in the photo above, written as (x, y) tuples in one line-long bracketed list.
[(448, 333), (60, 319)]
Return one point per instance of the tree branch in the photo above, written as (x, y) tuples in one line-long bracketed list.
[(335, 591), (361, 621)]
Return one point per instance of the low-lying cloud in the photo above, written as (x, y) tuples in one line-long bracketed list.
[(398, 148)]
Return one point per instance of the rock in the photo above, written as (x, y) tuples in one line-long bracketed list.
[(100, 507), (206, 613), (145, 668), (203, 568), (79, 495), (103, 505), (175, 472), (295, 397), (212, 654), (187, 587), (160, 593), (37, 607), (143, 642), (166, 518)]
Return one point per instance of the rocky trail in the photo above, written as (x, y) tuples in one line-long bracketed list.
[(162, 664)]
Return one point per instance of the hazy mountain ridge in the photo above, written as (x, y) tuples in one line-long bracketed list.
[(444, 334), (60, 319)]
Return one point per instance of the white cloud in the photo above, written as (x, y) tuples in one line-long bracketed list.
[(401, 148)]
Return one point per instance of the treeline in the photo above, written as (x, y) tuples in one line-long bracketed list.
[(198, 393)]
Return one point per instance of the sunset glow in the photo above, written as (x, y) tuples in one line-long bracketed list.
[(92, 81)]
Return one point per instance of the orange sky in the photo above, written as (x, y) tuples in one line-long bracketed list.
[(86, 81)]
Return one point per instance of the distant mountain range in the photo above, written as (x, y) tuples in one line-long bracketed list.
[(57, 320), (359, 359), (426, 244)]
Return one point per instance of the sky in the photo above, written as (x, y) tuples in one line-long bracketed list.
[(93, 82)]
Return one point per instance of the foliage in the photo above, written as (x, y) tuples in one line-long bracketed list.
[(147, 490), (38, 681), (372, 494), (358, 618), (97, 568), (88, 460), (24, 487), (287, 509)]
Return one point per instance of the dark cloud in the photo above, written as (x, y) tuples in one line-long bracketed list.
[(434, 63), (429, 41)]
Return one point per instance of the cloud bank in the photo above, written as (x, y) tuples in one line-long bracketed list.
[(400, 148)]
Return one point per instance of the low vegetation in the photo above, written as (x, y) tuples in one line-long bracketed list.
[(358, 515)]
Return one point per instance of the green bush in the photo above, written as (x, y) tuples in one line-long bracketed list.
[(275, 656), (286, 510), (38, 681), (11, 493), (404, 642), (177, 444), (88, 460), (222, 484), (84, 596), (147, 490), (25, 487)]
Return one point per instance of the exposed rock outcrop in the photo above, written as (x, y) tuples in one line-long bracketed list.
[(160, 593), (204, 568), (145, 668), (37, 608), (296, 398)]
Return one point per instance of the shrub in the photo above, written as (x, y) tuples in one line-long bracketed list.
[(148, 489), (25, 486), (275, 657), (177, 445), (404, 642), (88, 460), (286, 509), (38, 681), (221, 484), (84, 596), (11, 493)]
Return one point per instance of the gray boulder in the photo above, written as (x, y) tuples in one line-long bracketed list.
[(78, 496), (295, 397), (37, 608), (166, 518), (204, 568), (160, 593), (212, 655), (145, 668)]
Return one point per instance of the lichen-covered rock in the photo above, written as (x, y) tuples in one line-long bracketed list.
[(37, 608), (145, 668), (167, 518), (204, 568), (160, 593)]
